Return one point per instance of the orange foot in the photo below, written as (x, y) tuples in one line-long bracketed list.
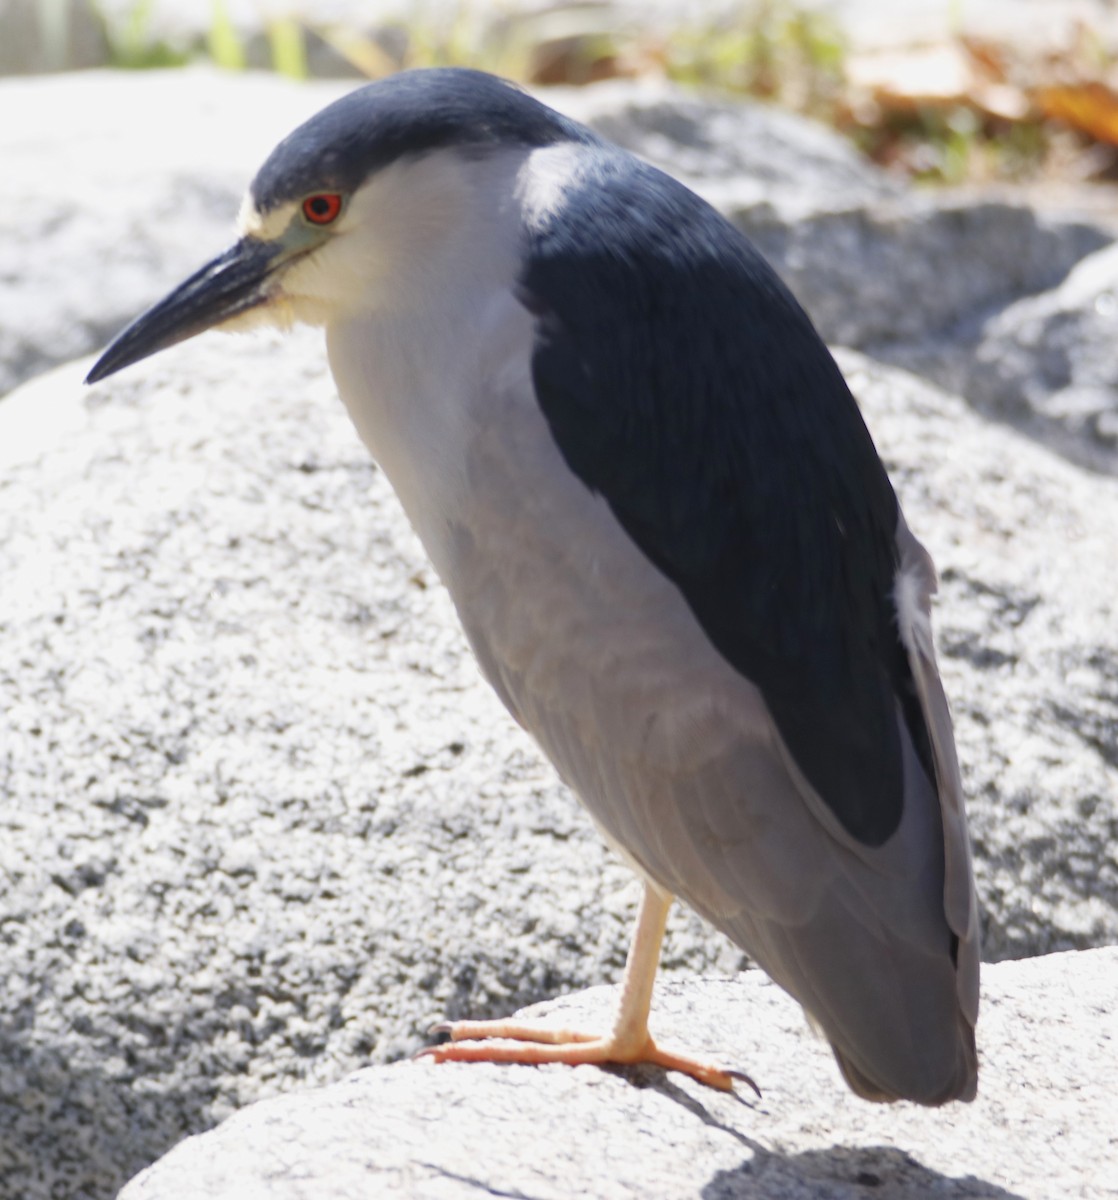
[(507, 1042)]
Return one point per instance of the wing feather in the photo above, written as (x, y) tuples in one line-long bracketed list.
[(960, 896)]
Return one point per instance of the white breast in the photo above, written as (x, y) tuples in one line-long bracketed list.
[(437, 378)]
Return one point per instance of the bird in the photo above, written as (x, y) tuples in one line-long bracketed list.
[(671, 543)]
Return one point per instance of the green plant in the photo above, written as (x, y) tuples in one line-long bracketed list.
[(131, 45), (287, 44), (224, 43), (768, 48)]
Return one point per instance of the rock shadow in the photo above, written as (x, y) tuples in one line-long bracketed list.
[(846, 1173), (83, 1133)]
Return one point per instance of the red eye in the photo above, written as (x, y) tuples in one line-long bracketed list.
[(322, 208)]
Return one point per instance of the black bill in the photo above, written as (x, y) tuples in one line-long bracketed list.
[(232, 283)]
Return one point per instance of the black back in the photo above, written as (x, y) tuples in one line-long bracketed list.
[(683, 383)]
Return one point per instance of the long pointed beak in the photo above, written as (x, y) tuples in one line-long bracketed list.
[(232, 283)]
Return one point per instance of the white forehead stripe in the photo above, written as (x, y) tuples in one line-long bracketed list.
[(265, 226)]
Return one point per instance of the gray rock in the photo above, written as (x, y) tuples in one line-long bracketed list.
[(1027, 625), (744, 153), (262, 821), (1042, 1127), (115, 187), (1048, 363), (892, 276)]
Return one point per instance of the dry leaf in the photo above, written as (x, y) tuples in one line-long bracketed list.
[(1090, 107)]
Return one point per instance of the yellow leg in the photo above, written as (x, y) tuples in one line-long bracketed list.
[(628, 1042)]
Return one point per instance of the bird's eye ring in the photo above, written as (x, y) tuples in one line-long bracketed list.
[(322, 208)]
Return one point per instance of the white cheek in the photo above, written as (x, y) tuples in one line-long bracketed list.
[(330, 282), (273, 314), (313, 290)]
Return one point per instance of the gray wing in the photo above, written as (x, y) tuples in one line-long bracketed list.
[(916, 585), (677, 757), (678, 563)]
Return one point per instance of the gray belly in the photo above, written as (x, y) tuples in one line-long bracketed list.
[(598, 656)]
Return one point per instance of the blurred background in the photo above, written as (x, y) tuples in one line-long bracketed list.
[(947, 91)]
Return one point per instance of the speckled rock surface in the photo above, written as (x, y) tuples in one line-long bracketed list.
[(262, 820), (1048, 363), (1042, 1126)]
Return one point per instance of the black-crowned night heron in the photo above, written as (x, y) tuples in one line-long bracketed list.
[(668, 535)]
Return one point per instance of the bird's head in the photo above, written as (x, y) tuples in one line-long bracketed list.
[(350, 206)]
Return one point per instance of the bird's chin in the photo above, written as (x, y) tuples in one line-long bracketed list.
[(280, 311)]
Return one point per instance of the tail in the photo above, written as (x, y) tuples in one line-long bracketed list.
[(884, 958), (955, 1074), (959, 1080)]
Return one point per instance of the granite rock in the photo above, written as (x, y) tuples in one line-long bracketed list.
[(263, 822), (1047, 364), (1042, 1126)]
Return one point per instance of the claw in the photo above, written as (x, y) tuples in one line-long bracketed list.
[(742, 1077)]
